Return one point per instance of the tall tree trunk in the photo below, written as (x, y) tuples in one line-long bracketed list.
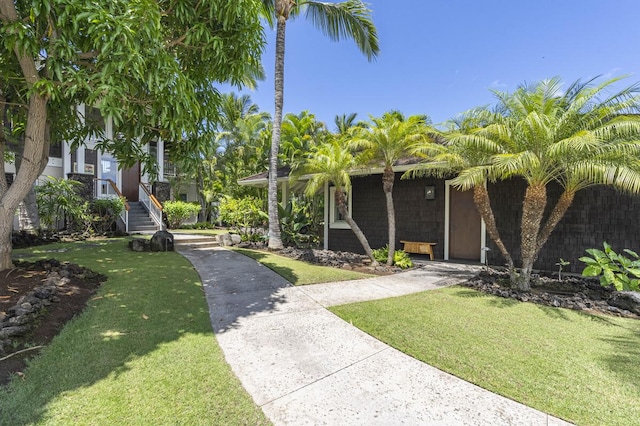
[(388, 178), (535, 200), (275, 239), (3, 144), (344, 211), (34, 158), (556, 216), (483, 204)]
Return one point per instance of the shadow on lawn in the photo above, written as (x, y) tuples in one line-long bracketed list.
[(133, 315), (237, 286)]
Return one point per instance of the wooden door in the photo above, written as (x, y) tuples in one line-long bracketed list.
[(464, 226), (130, 181)]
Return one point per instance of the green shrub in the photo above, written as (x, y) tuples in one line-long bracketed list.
[(178, 212), (613, 268), (105, 212), (245, 215), (58, 200), (401, 258), (199, 225)]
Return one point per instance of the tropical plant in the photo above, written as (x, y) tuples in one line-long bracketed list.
[(60, 202), (386, 140), (331, 163), (578, 137), (401, 258), (245, 215), (348, 19), (150, 66), (300, 220), (613, 268), (300, 133), (560, 264), (178, 212), (243, 140), (458, 154)]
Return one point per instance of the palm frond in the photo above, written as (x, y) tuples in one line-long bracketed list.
[(350, 19)]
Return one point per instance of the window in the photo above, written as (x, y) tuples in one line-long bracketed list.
[(336, 221), (182, 197)]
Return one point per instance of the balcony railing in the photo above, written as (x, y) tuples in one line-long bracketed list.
[(169, 169)]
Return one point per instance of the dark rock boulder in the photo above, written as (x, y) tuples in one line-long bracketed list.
[(162, 241), (628, 300)]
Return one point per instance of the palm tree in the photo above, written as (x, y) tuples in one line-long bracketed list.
[(345, 122), (578, 138), (348, 19), (463, 152), (387, 139), (299, 134), (331, 162)]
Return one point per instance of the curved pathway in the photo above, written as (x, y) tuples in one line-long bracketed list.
[(305, 366)]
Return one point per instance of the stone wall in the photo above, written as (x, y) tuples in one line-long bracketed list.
[(86, 190), (417, 219), (162, 191)]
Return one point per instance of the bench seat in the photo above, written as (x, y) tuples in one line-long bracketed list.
[(419, 247)]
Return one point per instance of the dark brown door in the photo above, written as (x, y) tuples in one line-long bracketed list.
[(130, 181), (464, 226)]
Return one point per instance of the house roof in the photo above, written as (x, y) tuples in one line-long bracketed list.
[(262, 179)]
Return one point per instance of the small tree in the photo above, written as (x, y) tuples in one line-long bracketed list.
[(331, 162), (59, 202)]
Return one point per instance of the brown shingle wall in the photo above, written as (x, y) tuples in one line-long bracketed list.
[(417, 219), (597, 214)]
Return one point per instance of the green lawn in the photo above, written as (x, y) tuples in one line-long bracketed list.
[(142, 353), (582, 368), (301, 273)]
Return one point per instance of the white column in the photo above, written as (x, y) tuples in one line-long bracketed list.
[(160, 160), (66, 159), (80, 158), (326, 216)]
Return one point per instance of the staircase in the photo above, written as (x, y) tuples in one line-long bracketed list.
[(187, 241), (139, 220)]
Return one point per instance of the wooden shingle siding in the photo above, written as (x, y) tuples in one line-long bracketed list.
[(417, 219)]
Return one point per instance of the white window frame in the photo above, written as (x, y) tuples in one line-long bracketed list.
[(333, 223)]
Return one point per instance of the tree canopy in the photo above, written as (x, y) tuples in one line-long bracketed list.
[(149, 65)]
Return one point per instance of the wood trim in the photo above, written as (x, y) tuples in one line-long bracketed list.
[(151, 196), (127, 207)]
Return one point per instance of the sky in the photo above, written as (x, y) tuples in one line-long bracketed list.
[(443, 57)]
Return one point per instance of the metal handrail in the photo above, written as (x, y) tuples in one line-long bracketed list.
[(124, 215), (151, 203)]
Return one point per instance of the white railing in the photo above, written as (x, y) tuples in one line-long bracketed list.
[(151, 203), (106, 188)]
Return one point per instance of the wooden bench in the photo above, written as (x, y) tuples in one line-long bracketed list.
[(419, 247)]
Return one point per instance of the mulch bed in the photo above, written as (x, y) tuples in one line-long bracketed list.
[(70, 299)]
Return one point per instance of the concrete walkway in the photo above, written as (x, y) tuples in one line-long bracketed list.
[(305, 366)]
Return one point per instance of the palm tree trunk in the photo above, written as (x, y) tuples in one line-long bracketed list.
[(388, 178), (535, 200), (557, 214), (483, 204), (275, 239), (342, 207)]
